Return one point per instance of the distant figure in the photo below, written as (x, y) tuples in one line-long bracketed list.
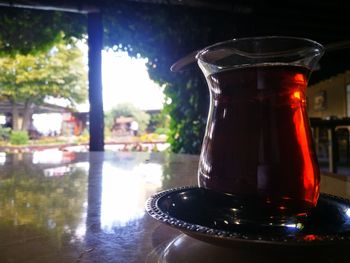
[(134, 127), (8, 121)]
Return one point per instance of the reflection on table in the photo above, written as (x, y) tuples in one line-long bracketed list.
[(89, 207)]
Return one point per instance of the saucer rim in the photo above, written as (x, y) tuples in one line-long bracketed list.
[(209, 234)]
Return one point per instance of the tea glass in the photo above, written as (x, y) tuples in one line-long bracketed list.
[(258, 144)]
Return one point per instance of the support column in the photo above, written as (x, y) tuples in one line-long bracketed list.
[(95, 36)]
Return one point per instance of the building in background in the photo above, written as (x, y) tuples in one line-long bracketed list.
[(74, 123), (330, 98)]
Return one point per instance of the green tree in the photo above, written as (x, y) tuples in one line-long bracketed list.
[(24, 31), (30, 79), (128, 110), (160, 123)]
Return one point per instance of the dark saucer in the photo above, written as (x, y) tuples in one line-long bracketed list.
[(213, 217)]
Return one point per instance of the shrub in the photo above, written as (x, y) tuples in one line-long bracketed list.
[(5, 133), (161, 131), (19, 137)]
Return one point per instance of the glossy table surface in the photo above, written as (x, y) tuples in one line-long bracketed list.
[(89, 207)]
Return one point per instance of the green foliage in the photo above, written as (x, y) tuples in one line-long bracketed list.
[(27, 31), (188, 111), (163, 35), (30, 68), (4, 133), (30, 79), (161, 130), (160, 123), (128, 110), (19, 137), (58, 73)]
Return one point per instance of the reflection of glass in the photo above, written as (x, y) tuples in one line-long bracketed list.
[(124, 192), (186, 249), (258, 141)]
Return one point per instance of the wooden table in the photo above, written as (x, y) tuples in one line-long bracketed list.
[(89, 207)]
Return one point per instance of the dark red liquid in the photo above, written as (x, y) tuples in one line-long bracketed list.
[(258, 141)]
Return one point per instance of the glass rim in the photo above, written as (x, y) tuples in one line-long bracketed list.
[(312, 43)]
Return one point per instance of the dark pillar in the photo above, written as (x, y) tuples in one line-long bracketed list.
[(95, 35)]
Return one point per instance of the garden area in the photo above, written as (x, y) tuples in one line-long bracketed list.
[(150, 134)]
